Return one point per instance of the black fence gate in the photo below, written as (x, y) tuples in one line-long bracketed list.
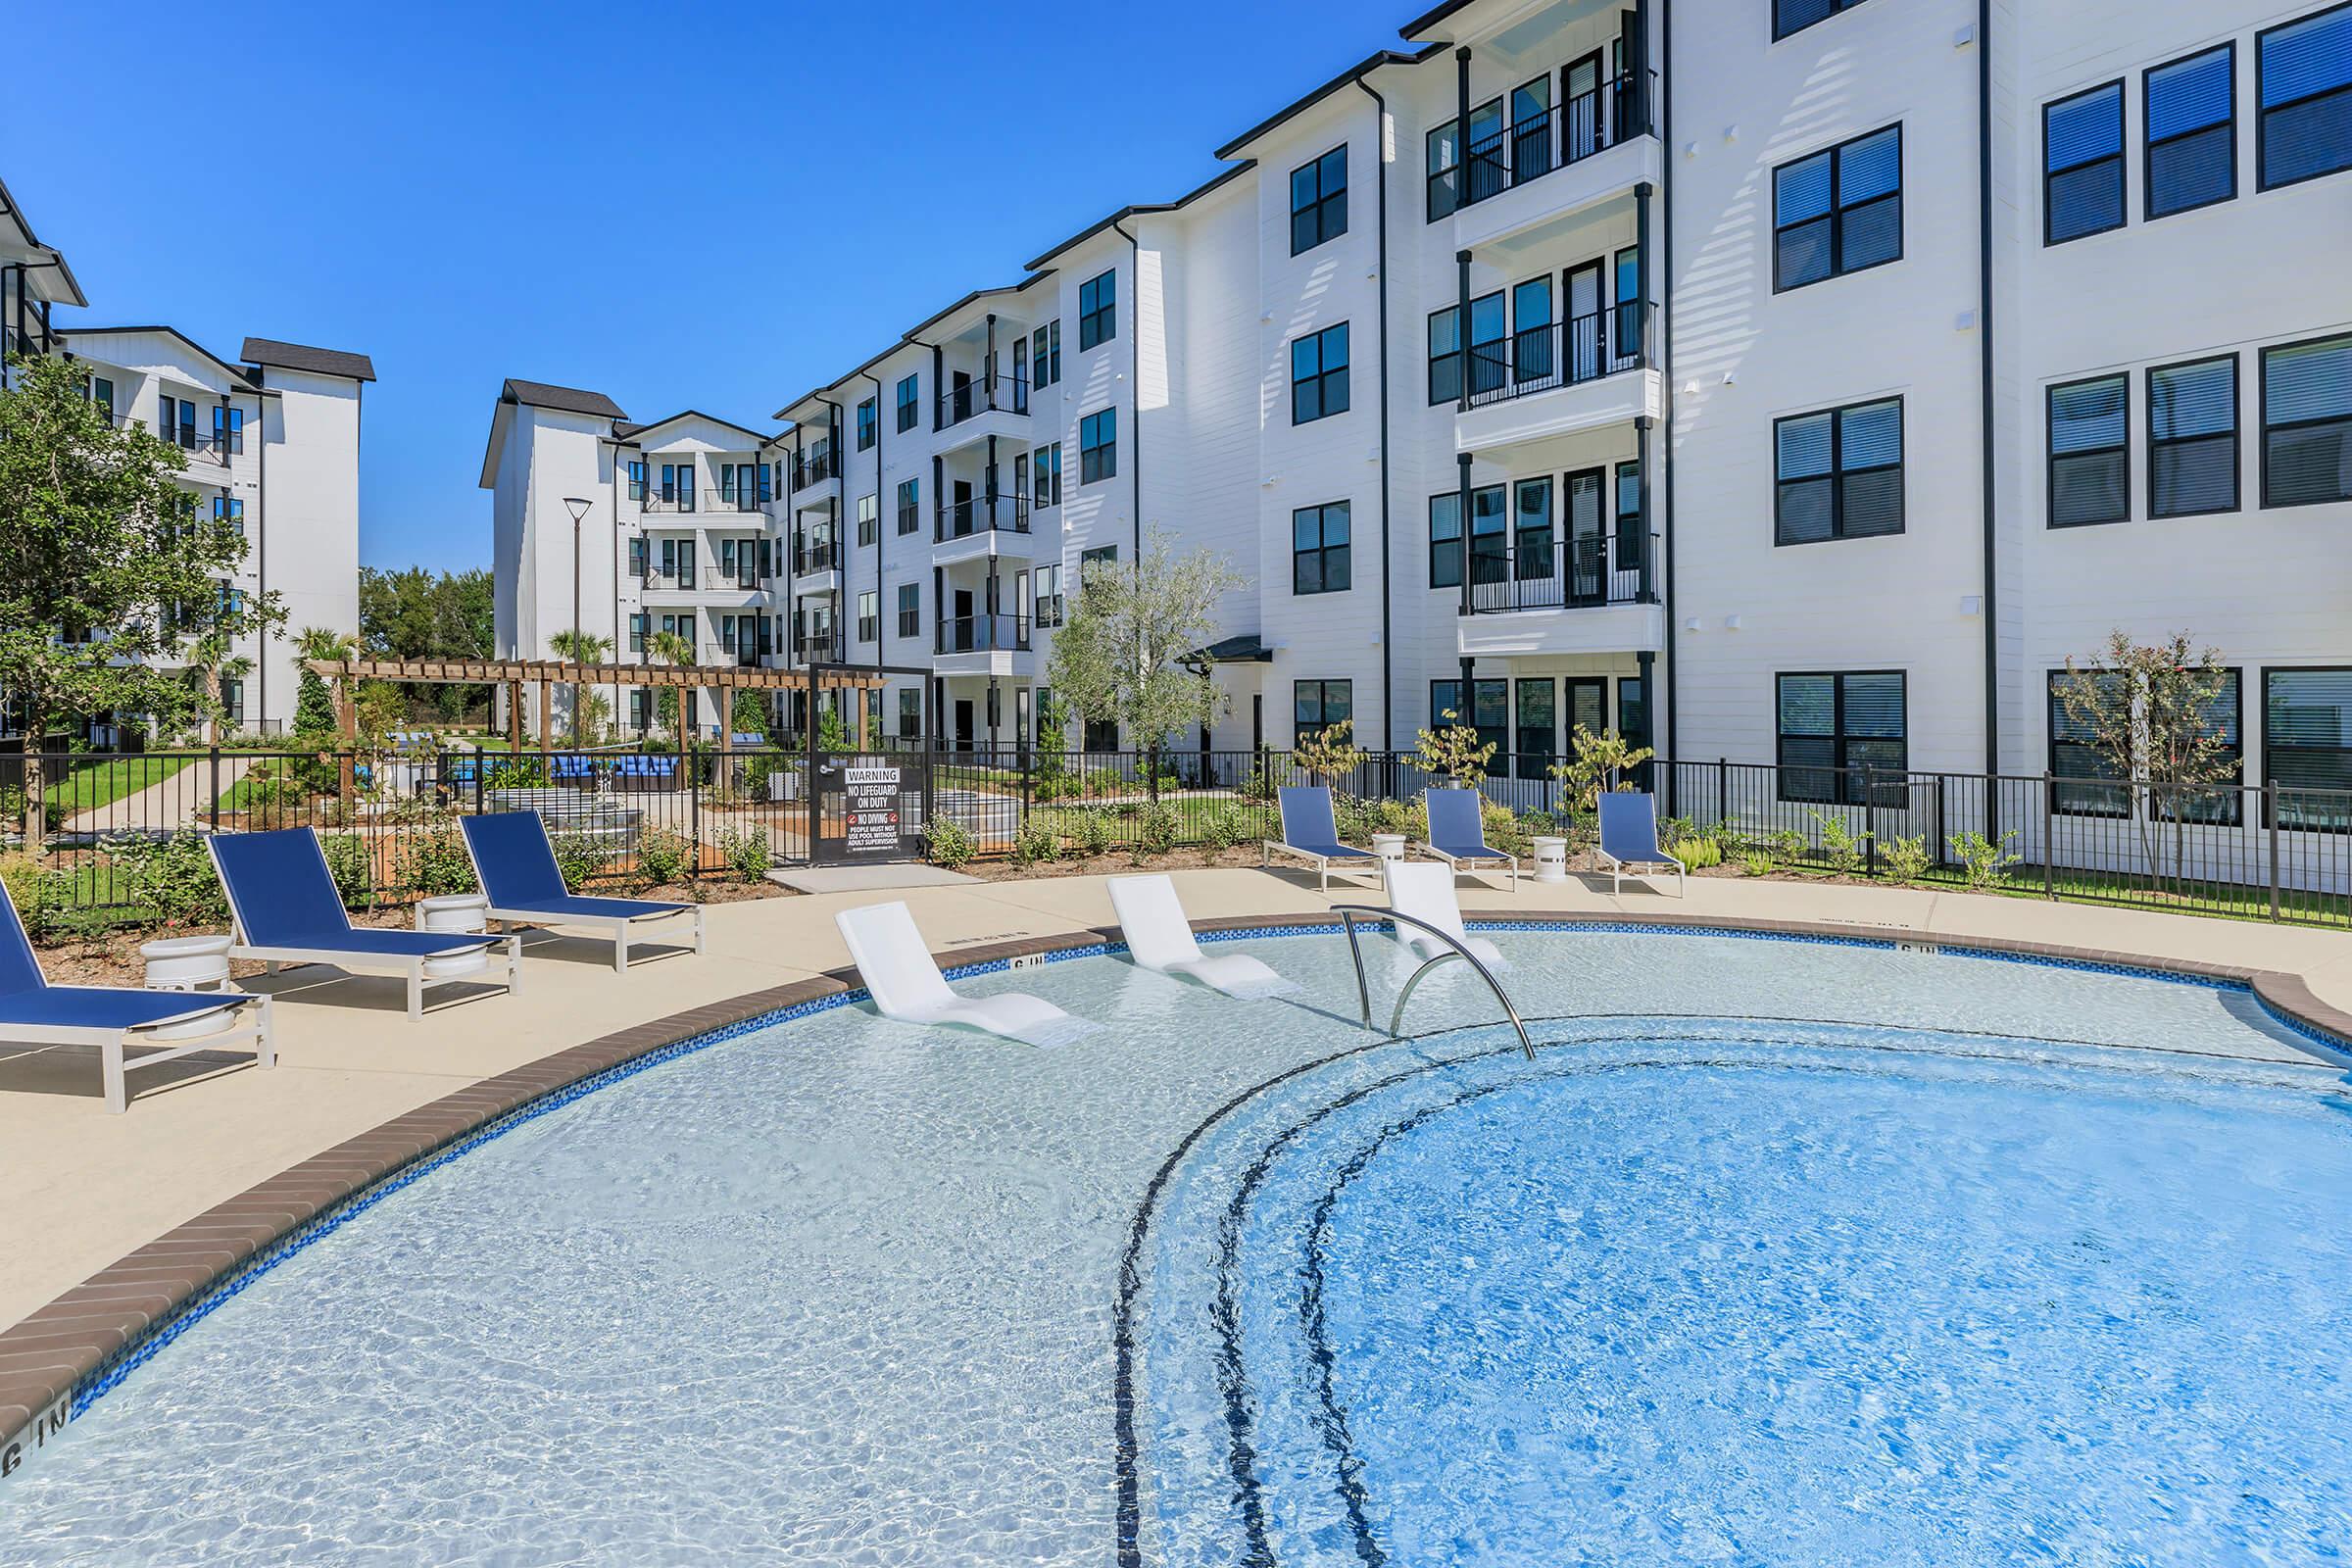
[(868, 806)]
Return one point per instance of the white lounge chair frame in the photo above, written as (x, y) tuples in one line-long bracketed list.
[(1412, 890), (904, 982), (1159, 938), (112, 1043)]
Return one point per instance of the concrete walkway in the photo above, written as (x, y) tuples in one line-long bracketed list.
[(164, 806), (83, 1188)]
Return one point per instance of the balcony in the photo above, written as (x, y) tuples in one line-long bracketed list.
[(707, 585), (729, 505), (989, 405), (1589, 596), (820, 465), (979, 645), (974, 529), (1578, 374), (1552, 163), (819, 647)]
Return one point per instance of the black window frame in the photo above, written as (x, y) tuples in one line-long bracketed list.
[(1846, 788), (869, 520), (910, 610), (1837, 472), (1323, 553), (2271, 747), (870, 614), (2238, 425), (1837, 8), (1045, 355), (1446, 556), (2148, 144), (869, 422), (1323, 691), (1434, 181), (910, 505), (1097, 310), (2051, 456), (1323, 377), (2097, 792), (1099, 460), (2263, 111), (1452, 357), (2123, 205), (1621, 559), (1319, 207), (1044, 474), (2263, 369), (1835, 214), (909, 395)]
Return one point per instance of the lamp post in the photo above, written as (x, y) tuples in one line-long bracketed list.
[(578, 507)]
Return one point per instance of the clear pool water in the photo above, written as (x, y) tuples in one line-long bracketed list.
[(1777, 1254)]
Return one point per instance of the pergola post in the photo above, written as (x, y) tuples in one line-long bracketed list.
[(514, 716), (546, 715)]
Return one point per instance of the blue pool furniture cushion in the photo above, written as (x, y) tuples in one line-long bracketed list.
[(1629, 836), (1458, 833), (515, 861), (34, 1013), (286, 909), (1309, 832)]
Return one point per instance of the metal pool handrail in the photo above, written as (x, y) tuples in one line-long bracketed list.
[(1349, 914)]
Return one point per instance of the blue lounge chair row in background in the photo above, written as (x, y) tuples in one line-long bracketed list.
[(1629, 834)]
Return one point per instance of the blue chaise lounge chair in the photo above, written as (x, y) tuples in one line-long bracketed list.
[(1309, 832), (1458, 835), (1629, 836), (34, 1013), (516, 863), (284, 908)]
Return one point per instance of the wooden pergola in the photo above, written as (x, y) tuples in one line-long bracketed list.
[(548, 674)]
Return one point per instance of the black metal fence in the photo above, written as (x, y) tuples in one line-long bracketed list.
[(120, 835)]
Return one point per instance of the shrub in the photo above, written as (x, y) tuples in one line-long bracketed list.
[(21, 875), (1095, 835), (580, 856), (951, 843), (519, 774), (432, 863), (172, 876), (348, 862), (1984, 861), (1223, 826), (1906, 858), (1775, 848), (663, 856), (1507, 832), (1039, 840), (749, 851), (1697, 853), (1757, 863), (1840, 842), (1159, 831)]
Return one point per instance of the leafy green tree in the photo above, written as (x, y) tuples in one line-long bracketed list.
[(313, 699), (2153, 715), (413, 614), (579, 648), (674, 650), (749, 714), (1130, 650), (1456, 751), (102, 555)]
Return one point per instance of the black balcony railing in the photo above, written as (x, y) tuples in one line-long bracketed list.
[(1539, 358), (1590, 121), (667, 498), (1000, 513), (982, 394), (982, 634), (814, 467), (1563, 574), (743, 577), (817, 647), (740, 497), (815, 555)]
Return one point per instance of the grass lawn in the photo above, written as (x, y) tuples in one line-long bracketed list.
[(102, 781)]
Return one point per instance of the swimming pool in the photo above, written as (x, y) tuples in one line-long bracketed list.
[(1778, 1252)]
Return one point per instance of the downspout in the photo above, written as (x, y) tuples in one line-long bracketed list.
[(1135, 271), (1665, 339), (881, 616), (260, 540), (1387, 599), (1993, 677)]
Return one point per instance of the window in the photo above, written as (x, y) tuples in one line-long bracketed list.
[(1441, 151), (102, 393), (2307, 423), (228, 428), (1486, 356), (1839, 472), (1792, 15), (1490, 551), (2073, 753), (1538, 713), (1531, 530), (870, 528), (637, 621), (1319, 201), (1319, 375), (637, 565), (636, 479), (726, 483), (177, 420), (1446, 540), (2303, 77), (909, 402), (1488, 710), (1838, 211), (765, 473), (1836, 730), (1049, 596), (868, 424), (2187, 110), (1317, 705), (1633, 542), (910, 714), (910, 610), (1044, 467), (2082, 165), (232, 699), (1045, 354), (1098, 446), (1633, 710), (2307, 745), (1319, 562), (2192, 439), (910, 506), (2090, 457), (1445, 354), (230, 511), (1531, 329), (1098, 309), (869, 616)]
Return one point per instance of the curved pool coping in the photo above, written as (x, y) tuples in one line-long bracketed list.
[(68, 1355)]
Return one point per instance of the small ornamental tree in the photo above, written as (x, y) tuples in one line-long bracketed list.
[(103, 557), (2153, 715), (748, 715), (1594, 763), (676, 651), (1329, 753), (1130, 650), (579, 648), (313, 699), (1456, 752)]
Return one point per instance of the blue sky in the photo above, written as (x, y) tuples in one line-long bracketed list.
[(575, 193)]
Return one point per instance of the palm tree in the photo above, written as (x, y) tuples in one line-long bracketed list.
[(675, 650), (579, 648)]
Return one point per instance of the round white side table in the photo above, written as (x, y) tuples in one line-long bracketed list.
[(455, 914), (187, 963), (1551, 860), (1388, 846)]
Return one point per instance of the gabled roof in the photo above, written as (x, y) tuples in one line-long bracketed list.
[(1189, 197), (630, 432), (302, 357), (73, 294), (235, 372), (562, 399), (1363, 68)]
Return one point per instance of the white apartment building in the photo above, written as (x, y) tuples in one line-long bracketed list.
[(270, 441), (1798, 380)]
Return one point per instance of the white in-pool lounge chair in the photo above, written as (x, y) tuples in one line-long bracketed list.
[(1159, 937), (906, 985), (1424, 890)]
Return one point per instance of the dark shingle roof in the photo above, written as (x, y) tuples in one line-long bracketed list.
[(562, 399), (302, 357)]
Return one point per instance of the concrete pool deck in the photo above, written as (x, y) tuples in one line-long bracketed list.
[(111, 1221)]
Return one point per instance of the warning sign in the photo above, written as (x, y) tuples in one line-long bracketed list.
[(870, 826)]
